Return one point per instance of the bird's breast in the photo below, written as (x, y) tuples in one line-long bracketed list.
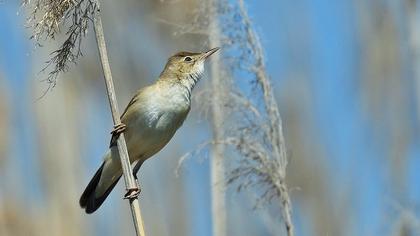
[(167, 113), (155, 122)]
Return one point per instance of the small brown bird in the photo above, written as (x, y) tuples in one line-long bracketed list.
[(149, 121)]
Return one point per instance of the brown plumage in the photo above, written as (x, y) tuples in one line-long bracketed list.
[(151, 119)]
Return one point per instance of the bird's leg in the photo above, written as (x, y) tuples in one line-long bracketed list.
[(132, 193), (118, 129), (137, 168)]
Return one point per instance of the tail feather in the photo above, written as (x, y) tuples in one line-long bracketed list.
[(88, 200)]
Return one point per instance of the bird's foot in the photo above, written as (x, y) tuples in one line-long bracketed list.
[(132, 193), (118, 129)]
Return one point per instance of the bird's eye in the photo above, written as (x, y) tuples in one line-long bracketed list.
[(187, 59)]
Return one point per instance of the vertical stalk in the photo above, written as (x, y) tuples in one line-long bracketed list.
[(276, 127), (121, 145), (414, 37), (217, 163)]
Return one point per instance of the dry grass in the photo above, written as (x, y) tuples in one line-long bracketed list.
[(48, 18), (255, 127)]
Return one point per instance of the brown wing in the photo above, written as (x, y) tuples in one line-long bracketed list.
[(114, 137), (132, 101)]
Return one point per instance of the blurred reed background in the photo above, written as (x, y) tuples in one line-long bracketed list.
[(347, 81)]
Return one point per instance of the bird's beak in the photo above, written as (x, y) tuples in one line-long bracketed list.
[(205, 55)]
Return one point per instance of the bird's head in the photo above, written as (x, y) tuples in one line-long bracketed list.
[(187, 65)]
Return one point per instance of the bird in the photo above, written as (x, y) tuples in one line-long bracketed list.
[(149, 122)]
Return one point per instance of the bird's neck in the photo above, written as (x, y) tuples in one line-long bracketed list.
[(184, 84), (188, 81)]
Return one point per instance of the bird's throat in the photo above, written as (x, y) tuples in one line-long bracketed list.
[(191, 80), (188, 83)]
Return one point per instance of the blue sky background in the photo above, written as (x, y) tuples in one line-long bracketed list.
[(330, 59)]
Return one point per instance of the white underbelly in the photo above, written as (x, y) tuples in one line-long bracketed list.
[(147, 136)]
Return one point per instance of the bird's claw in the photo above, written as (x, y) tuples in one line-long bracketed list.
[(118, 129), (132, 193)]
